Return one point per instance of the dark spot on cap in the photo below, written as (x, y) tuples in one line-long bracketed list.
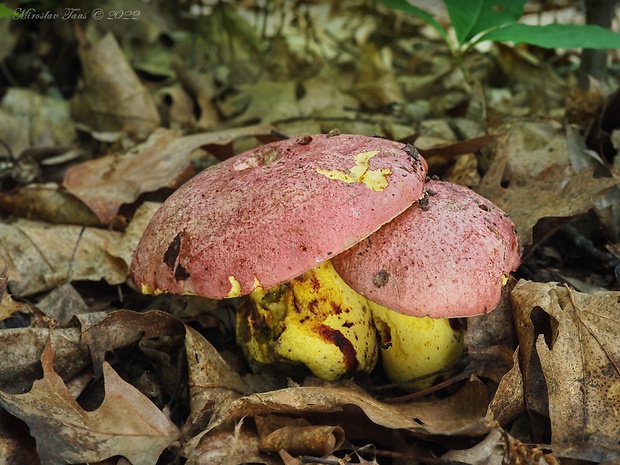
[(170, 257), (181, 274), (381, 278)]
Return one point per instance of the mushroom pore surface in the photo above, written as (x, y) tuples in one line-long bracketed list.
[(267, 215), (446, 256)]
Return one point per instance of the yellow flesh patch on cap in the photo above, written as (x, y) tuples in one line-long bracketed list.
[(373, 179), (235, 288), (148, 290)]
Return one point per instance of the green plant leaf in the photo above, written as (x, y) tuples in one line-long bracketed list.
[(555, 36), (5, 11), (470, 18), (429, 19)]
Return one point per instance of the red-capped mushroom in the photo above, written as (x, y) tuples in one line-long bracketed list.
[(446, 256), (271, 216), (267, 215)]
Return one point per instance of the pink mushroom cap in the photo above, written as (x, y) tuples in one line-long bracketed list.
[(267, 215), (446, 259)]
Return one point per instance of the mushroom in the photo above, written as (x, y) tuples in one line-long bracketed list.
[(267, 223), (270, 215), (448, 255)]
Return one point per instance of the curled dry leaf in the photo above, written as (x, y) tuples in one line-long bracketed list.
[(577, 344), (126, 423), (352, 409), (106, 183), (537, 190), (297, 436), (112, 97), (31, 120), (123, 327), (462, 413), (234, 444), (39, 255), (47, 202), (211, 380)]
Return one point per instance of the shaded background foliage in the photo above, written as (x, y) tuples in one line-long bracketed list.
[(101, 119)]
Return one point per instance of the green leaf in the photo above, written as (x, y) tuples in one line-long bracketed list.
[(6, 12), (429, 19), (555, 36), (470, 18)]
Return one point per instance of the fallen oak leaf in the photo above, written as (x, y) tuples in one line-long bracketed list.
[(111, 97), (460, 414), (39, 255), (580, 360), (106, 183), (540, 185), (126, 423)]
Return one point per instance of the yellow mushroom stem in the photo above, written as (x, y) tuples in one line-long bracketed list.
[(318, 321), (414, 347), (315, 319)]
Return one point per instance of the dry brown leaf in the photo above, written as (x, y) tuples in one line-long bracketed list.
[(28, 119), (126, 423), (356, 412), (211, 380), (508, 402), (123, 327), (21, 355), (499, 448), (8, 306), (462, 413), (112, 98), (580, 359), (375, 83), (231, 445), (78, 347), (297, 436), (16, 445), (265, 101), (489, 451), (62, 303), (106, 183), (542, 188), (202, 89), (323, 97), (40, 254), (47, 202), (125, 246)]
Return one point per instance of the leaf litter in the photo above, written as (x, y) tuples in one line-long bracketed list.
[(93, 370)]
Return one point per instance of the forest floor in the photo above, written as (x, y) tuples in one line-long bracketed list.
[(105, 112)]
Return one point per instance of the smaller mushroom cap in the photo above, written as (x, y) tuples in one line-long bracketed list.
[(268, 215), (447, 256)]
